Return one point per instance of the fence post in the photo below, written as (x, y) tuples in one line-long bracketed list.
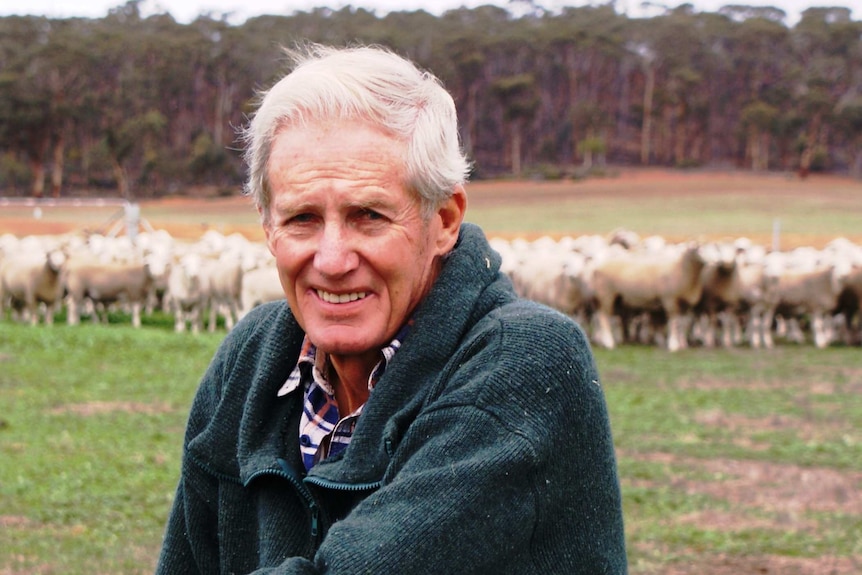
[(133, 220), (776, 235)]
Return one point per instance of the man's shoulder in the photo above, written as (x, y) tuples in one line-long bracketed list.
[(263, 317), (262, 330), (536, 320), (523, 335)]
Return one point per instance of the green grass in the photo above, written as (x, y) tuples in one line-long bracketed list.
[(91, 423), (797, 405), (807, 399), (680, 218), (717, 205), (91, 420)]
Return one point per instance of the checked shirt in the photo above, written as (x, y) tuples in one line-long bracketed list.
[(322, 430)]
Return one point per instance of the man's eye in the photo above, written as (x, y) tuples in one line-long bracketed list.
[(300, 219), (369, 214)]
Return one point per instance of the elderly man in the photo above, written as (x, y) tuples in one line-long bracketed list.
[(402, 412)]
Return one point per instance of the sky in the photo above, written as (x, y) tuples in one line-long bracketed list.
[(238, 10)]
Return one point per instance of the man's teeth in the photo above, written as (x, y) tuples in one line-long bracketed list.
[(342, 298)]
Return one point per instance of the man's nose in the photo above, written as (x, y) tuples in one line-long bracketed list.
[(336, 253)]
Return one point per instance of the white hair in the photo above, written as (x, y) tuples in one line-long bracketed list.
[(369, 84)]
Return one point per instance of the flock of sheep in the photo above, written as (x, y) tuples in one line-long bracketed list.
[(197, 282), (620, 287), (623, 288)]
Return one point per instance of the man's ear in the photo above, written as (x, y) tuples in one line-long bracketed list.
[(451, 214)]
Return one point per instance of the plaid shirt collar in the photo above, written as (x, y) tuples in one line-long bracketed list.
[(312, 368), (322, 429)]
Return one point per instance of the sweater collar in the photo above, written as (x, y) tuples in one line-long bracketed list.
[(469, 285)]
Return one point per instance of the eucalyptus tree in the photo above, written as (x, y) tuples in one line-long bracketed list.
[(588, 44), (130, 94), (225, 71), (761, 52), (47, 69), (518, 97), (758, 120), (482, 46), (824, 39), (849, 114), (416, 34), (26, 102), (643, 52), (69, 66), (663, 48), (467, 77), (716, 102), (683, 61), (591, 120)]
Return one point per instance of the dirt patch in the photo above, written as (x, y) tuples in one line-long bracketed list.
[(742, 426), (784, 488), (703, 383), (735, 521), (771, 487), (851, 385), (14, 521), (756, 495), (92, 408), (767, 565)]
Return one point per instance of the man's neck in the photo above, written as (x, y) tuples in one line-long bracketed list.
[(348, 376)]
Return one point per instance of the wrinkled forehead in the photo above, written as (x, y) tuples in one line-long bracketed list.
[(359, 138)]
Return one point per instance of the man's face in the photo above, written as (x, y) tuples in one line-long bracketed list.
[(354, 254)]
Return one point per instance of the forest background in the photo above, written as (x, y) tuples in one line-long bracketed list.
[(148, 107)]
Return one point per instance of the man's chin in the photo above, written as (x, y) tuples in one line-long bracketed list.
[(344, 341)]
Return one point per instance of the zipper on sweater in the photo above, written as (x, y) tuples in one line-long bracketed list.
[(314, 509), (327, 484)]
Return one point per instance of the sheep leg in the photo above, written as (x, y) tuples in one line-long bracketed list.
[(179, 319), (766, 328), (673, 338), (73, 312), (50, 308), (213, 316), (708, 327), (136, 313), (231, 316), (32, 309), (604, 335), (728, 326), (818, 327)]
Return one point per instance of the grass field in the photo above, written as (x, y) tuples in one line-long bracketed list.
[(737, 461), (731, 461)]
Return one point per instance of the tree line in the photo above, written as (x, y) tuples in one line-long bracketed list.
[(147, 106)]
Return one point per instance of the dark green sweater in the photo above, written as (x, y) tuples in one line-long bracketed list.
[(485, 448)]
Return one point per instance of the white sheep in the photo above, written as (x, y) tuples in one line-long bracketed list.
[(667, 284), (260, 285), (187, 292), (85, 278), (29, 279)]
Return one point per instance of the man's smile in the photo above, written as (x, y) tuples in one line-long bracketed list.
[(330, 297)]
